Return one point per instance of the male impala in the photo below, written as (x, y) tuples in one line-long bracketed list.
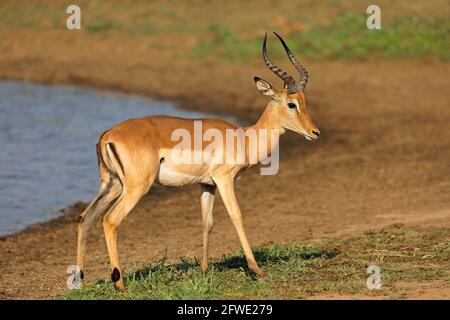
[(137, 153)]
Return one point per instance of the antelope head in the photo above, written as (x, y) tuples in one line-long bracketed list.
[(288, 103)]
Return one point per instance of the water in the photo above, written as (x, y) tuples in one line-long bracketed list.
[(47, 145)]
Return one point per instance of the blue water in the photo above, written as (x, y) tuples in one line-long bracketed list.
[(47, 145)]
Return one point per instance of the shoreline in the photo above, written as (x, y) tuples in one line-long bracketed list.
[(66, 215)]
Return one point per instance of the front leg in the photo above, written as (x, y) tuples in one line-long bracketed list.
[(226, 189), (207, 204)]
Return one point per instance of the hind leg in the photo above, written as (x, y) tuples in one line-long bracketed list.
[(136, 169), (107, 194), (111, 222)]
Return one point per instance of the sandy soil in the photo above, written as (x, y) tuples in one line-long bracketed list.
[(383, 157)]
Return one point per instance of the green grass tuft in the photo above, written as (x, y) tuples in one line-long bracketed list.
[(294, 271), (347, 38)]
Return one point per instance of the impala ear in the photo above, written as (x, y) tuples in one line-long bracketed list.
[(264, 87)]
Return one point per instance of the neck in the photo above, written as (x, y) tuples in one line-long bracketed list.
[(269, 119), (267, 131)]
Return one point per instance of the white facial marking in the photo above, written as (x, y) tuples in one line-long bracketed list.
[(294, 102)]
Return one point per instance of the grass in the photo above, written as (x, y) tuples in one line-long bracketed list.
[(295, 271), (406, 37), (227, 33), (347, 38)]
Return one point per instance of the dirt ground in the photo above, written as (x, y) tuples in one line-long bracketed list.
[(383, 157)]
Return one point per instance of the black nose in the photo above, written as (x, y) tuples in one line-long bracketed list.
[(317, 133)]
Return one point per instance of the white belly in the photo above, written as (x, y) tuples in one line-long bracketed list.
[(172, 178)]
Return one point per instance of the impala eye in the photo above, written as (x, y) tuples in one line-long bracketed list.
[(292, 105)]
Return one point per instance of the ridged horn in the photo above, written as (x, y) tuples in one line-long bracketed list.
[(288, 80), (301, 70)]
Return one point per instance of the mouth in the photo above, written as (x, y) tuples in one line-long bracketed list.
[(309, 137)]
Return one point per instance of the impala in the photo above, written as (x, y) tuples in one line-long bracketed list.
[(136, 153)]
